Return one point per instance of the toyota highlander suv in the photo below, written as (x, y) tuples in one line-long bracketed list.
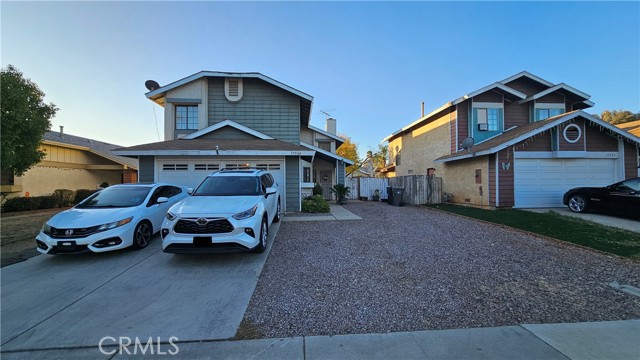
[(231, 210)]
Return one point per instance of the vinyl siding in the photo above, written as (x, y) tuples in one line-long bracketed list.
[(292, 175), (554, 98), (146, 171), (263, 107), (630, 160), (516, 114), (505, 177), (489, 96), (492, 180), (598, 141), (526, 86)]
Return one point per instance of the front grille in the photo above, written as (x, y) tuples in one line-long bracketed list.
[(214, 226), (74, 233)]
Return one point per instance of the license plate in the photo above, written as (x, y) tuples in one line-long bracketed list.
[(67, 244), (202, 241)]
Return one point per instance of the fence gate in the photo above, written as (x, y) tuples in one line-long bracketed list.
[(366, 186), (419, 189)]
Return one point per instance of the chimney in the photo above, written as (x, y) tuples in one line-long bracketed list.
[(61, 130), (422, 109), (330, 127)]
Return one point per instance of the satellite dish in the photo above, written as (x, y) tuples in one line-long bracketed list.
[(467, 144), (151, 85)]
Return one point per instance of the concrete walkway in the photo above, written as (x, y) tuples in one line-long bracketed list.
[(621, 223), (596, 340), (336, 212)]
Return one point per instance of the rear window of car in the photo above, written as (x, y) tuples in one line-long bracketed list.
[(116, 197), (229, 186)]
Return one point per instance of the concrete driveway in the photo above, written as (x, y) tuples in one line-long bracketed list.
[(75, 300), (602, 219)]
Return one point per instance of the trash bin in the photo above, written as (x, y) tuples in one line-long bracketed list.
[(398, 194), (389, 195)]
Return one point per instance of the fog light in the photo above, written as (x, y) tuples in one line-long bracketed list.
[(107, 243), (41, 245), (249, 231), (164, 233)]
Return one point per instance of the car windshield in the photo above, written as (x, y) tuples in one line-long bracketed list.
[(116, 197), (228, 186)]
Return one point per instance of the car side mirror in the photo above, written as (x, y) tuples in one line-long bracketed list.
[(190, 191), (270, 191), (162, 199)]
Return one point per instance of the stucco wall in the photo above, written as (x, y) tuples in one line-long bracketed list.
[(459, 179), (43, 180)]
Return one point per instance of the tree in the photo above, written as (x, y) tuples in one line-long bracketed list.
[(349, 150), (618, 116), (25, 119)]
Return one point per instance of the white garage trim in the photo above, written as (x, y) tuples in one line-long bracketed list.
[(542, 182), (564, 154)]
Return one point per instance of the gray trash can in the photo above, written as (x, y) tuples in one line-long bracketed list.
[(398, 194), (389, 195)]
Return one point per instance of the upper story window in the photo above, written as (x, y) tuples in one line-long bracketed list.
[(325, 145), (233, 89), (187, 117), (545, 111), (487, 120)]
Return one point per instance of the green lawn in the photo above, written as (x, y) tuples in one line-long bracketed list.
[(600, 237)]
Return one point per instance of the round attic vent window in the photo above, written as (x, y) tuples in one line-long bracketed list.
[(572, 133)]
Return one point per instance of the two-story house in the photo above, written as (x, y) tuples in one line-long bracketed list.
[(532, 142), (218, 120)]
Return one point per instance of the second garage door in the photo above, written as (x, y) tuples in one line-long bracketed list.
[(543, 182)]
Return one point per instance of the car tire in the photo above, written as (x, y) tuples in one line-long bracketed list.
[(276, 218), (264, 233), (142, 235), (578, 203)]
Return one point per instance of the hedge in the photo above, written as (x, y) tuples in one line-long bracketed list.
[(59, 198), (315, 204)]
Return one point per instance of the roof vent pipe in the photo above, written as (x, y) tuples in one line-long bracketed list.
[(422, 109)]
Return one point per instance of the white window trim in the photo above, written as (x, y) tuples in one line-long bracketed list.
[(549, 106), (488, 105), (564, 133)]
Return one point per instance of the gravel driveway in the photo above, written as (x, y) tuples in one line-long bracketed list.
[(412, 268)]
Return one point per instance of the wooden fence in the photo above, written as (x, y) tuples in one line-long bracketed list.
[(418, 189)]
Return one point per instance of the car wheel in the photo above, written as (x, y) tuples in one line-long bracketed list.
[(262, 245), (142, 235), (577, 203), (277, 217)]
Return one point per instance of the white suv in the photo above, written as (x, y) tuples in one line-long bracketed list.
[(230, 210)]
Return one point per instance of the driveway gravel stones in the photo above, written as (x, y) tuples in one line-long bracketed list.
[(413, 268)]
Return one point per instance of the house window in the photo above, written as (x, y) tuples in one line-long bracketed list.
[(488, 119), (325, 145), (542, 114), (186, 117), (306, 174), (206, 167), (175, 167)]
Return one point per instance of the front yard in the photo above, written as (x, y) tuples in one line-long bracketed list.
[(18, 232), (413, 268)]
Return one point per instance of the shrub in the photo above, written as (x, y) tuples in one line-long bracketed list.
[(65, 197), (104, 185), (315, 204), (82, 194), (30, 203), (317, 189)]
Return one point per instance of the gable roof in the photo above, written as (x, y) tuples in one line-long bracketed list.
[(327, 134), (496, 85), (527, 75), (632, 126), (214, 147), (561, 86), (327, 153), (521, 133), (228, 123), (99, 148)]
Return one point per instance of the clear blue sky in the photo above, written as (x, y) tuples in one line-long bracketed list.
[(369, 64)]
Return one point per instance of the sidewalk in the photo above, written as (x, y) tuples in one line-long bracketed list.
[(621, 223), (596, 340), (336, 212)]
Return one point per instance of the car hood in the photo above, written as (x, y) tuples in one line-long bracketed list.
[(214, 205), (82, 218), (586, 189)]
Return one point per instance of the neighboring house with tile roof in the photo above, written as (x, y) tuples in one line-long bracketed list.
[(632, 126), (217, 120), (71, 162), (533, 142)]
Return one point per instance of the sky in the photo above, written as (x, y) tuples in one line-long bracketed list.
[(368, 64)]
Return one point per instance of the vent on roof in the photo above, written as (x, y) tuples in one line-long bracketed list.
[(233, 90)]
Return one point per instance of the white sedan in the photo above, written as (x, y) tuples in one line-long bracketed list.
[(231, 210), (114, 218)]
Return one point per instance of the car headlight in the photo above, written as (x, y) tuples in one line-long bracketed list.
[(46, 228), (114, 224), (170, 216), (246, 214)]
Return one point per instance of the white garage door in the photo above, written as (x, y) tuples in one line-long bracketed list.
[(190, 172), (543, 182)]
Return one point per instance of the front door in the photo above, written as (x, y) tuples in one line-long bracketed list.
[(325, 181)]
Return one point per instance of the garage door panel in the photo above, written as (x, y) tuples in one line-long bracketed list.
[(545, 186)]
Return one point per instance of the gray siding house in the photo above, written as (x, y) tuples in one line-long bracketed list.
[(218, 120)]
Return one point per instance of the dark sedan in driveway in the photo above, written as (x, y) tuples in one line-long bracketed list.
[(622, 198)]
